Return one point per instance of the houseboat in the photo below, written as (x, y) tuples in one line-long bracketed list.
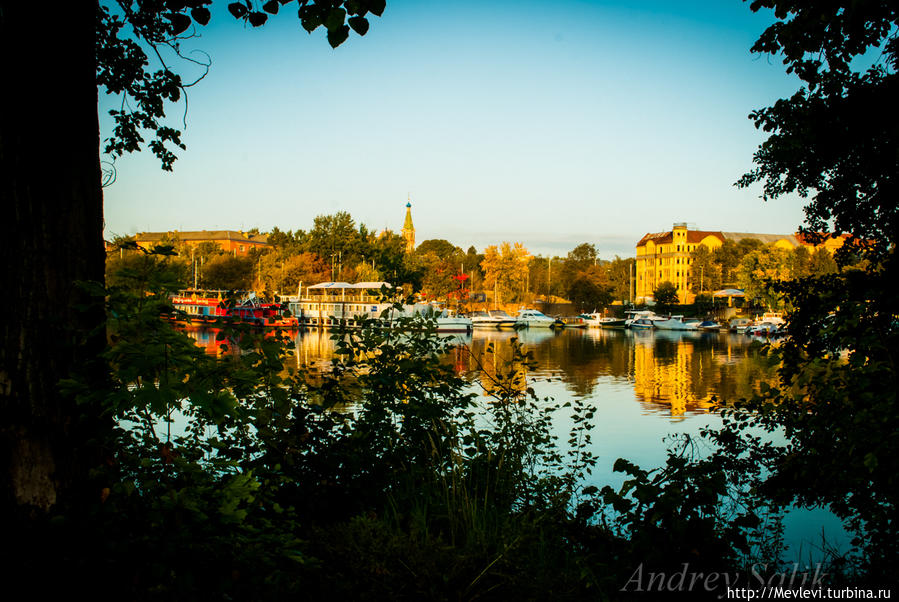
[(241, 307), (332, 304)]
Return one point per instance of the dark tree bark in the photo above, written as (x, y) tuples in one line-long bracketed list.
[(53, 237)]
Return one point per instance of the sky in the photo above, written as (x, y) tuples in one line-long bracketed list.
[(546, 123)]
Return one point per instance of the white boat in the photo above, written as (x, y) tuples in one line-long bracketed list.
[(592, 320), (739, 324), (483, 319), (507, 321), (574, 322), (531, 318), (770, 317), (678, 323), (766, 329), (632, 315), (445, 320), (642, 324)]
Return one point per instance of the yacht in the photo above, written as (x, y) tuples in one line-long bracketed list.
[(486, 319), (507, 321), (446, 321), (531, 318), (632, 315), (678, 323), (642, 324), (592, 320)]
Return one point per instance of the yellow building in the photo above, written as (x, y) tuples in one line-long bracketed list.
[(665, 256)]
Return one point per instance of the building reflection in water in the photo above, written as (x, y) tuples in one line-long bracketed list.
[(669, 372), (206, 338)]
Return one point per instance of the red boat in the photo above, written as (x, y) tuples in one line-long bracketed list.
[(209, 306)]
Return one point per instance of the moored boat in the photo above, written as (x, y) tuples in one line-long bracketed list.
[(739, 324), (531, 318), (600, 321), (678, 323), (506, 321), (481, 319), (632, 315), (642, 324), (770, 317), (443, 319), (574, 322), (609, 322), (709, 326), (334, 304), (231, 306)]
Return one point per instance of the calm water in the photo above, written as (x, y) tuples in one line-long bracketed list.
[(645, 386)]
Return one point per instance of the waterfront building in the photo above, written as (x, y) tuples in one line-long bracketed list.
[(665, 256), (230, 241), (408, 231)]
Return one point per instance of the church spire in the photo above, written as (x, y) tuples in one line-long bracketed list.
[(408, 228)]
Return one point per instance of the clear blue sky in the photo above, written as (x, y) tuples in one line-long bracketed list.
[(547, 123)]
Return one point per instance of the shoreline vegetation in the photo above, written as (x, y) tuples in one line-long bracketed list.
[(422, 493)]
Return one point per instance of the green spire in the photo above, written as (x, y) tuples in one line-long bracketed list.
[(407, 225)]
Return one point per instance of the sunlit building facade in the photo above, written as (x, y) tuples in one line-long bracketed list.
[(665, 256)]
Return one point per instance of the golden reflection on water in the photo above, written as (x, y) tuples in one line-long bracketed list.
[(676, 373)]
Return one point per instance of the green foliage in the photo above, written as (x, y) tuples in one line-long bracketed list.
[(841, 119), (283, 275), (694, 508), (236, 475), (334, 235), (728, 256), (836, 408), (134, 31), (587, 295), (138, 271), (439, 247), (665, 296), (703, 303), (620, 278), (705, 271), (440, 261), (506, 270), (228, 272), (760, 270)]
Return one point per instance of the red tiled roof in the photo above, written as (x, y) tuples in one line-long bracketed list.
[(657, 237), (696, 236), (202, 235), (693, 236)]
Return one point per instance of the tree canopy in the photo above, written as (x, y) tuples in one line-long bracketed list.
[(133, 31), (846, 55)]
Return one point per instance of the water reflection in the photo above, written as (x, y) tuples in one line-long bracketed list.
[(645, 385), (677, 374)]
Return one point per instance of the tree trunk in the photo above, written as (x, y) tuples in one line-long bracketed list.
[(52, 199)]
